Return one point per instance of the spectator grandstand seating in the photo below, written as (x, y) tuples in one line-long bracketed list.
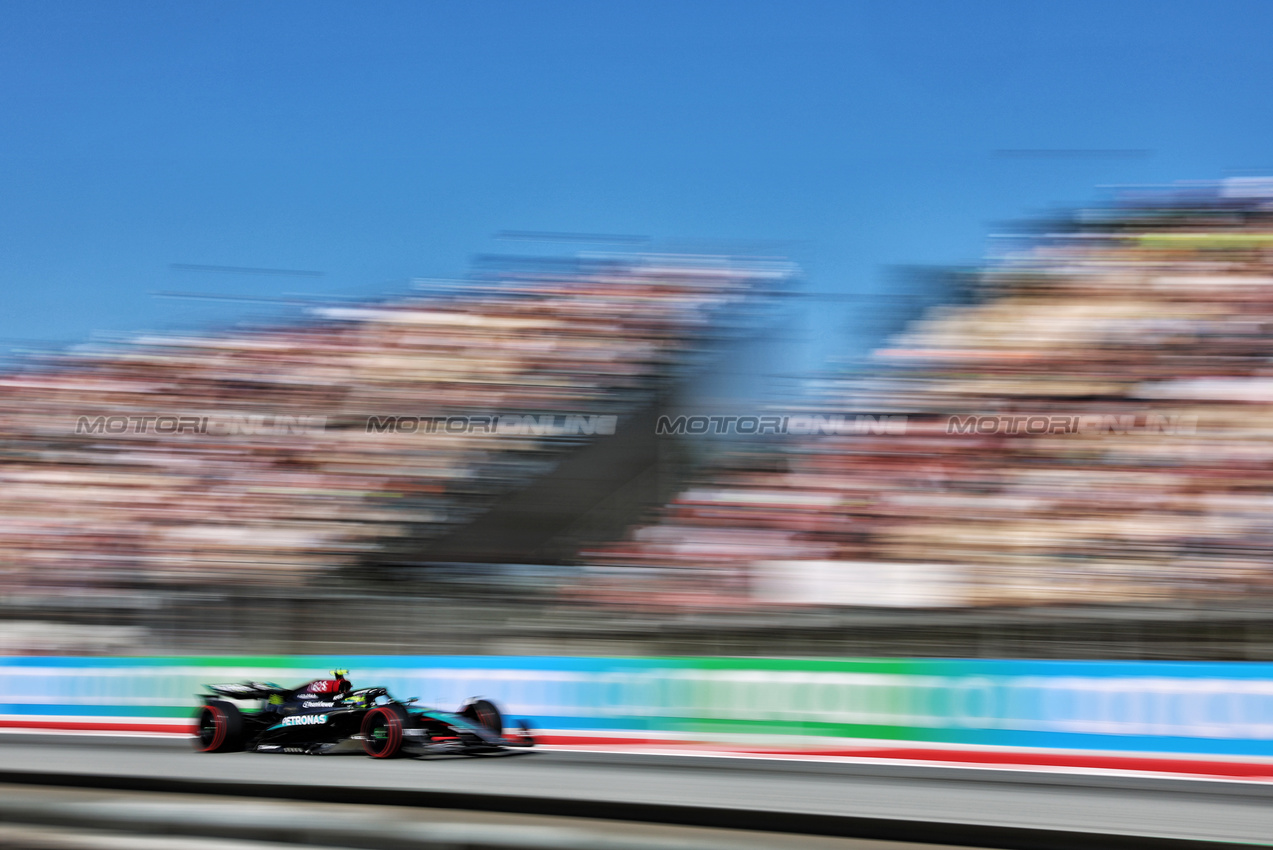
[(1149, 322), (83, 509)]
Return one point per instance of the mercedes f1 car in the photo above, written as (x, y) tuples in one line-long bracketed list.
[(328, 715)]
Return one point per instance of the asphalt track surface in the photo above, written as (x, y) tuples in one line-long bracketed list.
[(78, 819), (1206, 810)]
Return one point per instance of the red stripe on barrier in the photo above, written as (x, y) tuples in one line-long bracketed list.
[(578, 740), (985, 758), (1156, 764), (98, 726)]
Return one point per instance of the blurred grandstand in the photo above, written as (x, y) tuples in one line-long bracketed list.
[(1143, 536), (203, 522), (1158, 311)]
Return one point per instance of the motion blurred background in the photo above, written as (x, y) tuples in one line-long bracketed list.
[(878, 221)]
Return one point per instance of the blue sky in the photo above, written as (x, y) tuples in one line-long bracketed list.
[(383, 141)]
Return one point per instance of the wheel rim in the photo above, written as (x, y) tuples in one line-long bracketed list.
[(211, 728), (379, 737), (381, 734), (486, 717)]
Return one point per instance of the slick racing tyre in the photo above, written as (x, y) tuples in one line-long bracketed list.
[(220, 728), (484, 713), (382, 731)]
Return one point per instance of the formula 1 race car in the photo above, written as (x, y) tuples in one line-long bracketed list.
[(328, 714)]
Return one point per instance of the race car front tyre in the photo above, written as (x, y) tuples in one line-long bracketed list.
[(484, 713), (220, 728), (382, 731)]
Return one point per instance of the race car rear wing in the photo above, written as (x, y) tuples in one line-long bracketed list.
[(247, 690)]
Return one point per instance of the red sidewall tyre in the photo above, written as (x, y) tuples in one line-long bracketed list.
[(219, 728), (382, 731)]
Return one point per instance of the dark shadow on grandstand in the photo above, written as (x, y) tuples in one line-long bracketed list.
[(592, 495)]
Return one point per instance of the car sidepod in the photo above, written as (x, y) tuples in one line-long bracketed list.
[(304, 730)]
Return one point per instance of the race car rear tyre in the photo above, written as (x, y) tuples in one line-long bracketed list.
[(220, 728), (484, 713), (382, 731)]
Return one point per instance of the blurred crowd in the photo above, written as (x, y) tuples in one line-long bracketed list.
[(85, 510), (1150, 321)]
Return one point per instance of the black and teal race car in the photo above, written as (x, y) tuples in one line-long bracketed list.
[(330, 715)]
